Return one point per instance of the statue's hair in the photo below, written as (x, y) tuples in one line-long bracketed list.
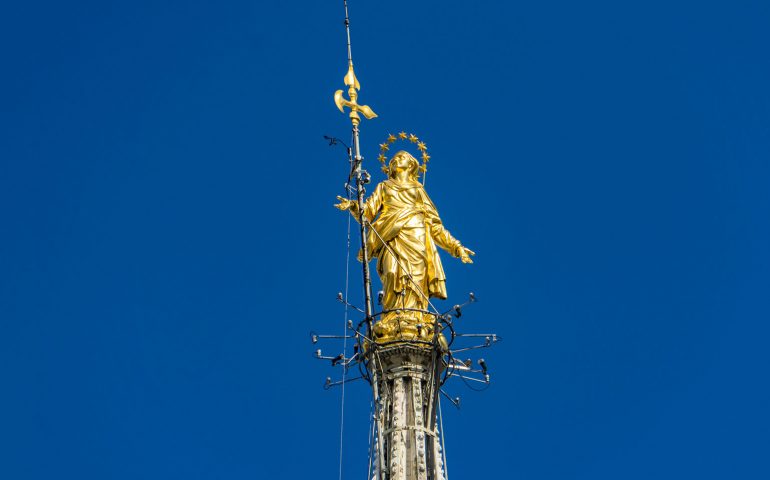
[(414, 165)]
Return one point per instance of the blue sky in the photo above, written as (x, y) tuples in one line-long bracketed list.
[(167, 236)]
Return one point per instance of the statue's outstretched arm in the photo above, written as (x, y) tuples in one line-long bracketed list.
[(441, 235), (445, 240), (372, 204)]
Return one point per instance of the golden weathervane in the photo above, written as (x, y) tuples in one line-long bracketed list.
[(353, 86)]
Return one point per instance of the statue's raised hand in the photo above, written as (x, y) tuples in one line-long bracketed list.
[(346, 204), (465, 255)]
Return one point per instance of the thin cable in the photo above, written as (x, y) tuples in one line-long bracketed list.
[(371, 439), (345, 343), (377, 419), (408, 273), (469, 385), (443, 445), (347, 30)]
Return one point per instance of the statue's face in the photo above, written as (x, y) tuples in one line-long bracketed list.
[(402, 162)]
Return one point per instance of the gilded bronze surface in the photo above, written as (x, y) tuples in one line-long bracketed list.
[(385, 147), (404, 232), (353, 86)]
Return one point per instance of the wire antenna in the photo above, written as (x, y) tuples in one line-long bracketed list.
[(347, 30)]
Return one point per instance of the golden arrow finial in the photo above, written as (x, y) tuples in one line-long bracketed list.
[(353, 86)]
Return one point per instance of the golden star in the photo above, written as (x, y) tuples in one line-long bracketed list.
[(425, 157), (391, 138), (422, 147), (382, 158), (402, 135), (413, 138), (384, 147)]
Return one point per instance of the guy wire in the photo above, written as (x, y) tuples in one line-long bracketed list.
[(347, 30), (443, 445), (408, 273), (345, 338), (371, 439)]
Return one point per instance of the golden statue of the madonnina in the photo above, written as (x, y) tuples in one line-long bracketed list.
[(404, 229)]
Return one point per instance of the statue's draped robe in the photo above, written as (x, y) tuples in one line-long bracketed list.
[(407, 224)]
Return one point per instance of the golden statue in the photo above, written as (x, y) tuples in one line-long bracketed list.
[(404, 230)]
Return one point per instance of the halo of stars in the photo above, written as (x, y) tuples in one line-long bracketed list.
[(384, 147)]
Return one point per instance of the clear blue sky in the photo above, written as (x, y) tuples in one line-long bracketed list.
[(167, 236)]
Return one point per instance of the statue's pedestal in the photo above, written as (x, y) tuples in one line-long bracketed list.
[(400, 325), (408, 375)]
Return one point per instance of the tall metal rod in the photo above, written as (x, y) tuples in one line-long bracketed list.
[(359, 173), (361, 178), (360, 190), (347, 29)]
